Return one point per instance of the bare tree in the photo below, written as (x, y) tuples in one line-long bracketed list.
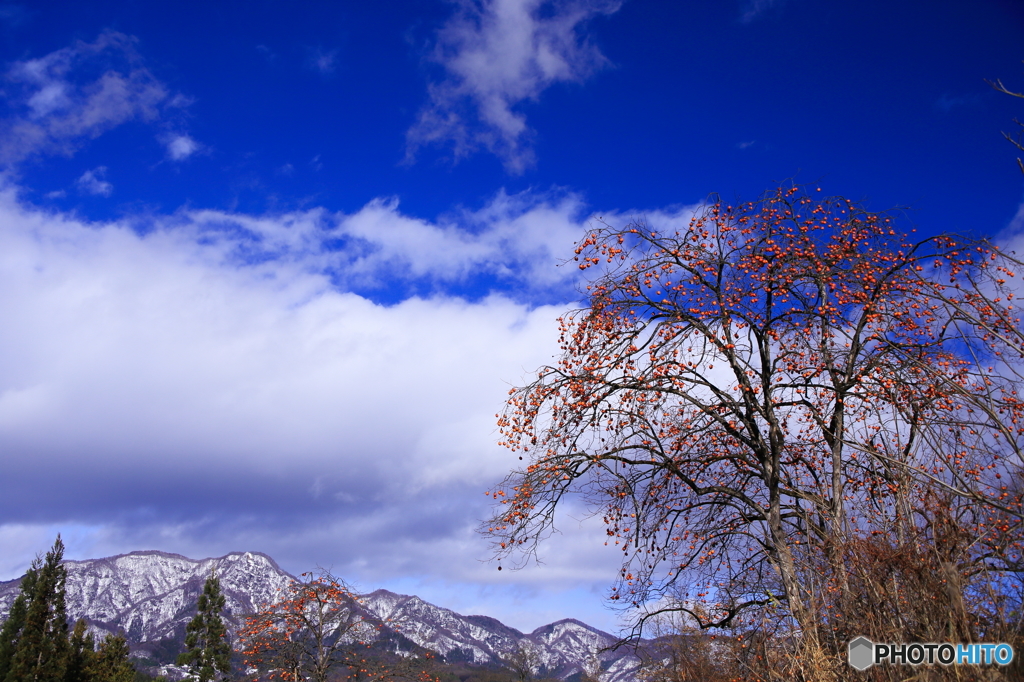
[(524, 661), (1018, 140)]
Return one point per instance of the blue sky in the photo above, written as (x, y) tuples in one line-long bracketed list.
[(270, 268)]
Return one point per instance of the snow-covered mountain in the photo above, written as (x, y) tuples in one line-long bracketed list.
[(562, 647), (150, 596)]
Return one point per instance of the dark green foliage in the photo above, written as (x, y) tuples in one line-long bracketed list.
[(40, 647), (34, 642), (160, 652), (207, 650), (81, 653), (110, 663), (15, 623)]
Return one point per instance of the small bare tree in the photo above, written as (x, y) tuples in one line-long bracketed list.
[(524, 661)]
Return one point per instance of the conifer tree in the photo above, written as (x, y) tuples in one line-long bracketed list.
[(208, 651), (10, 634), (40, 652), (34, 641), (110, 663), (80, 654)]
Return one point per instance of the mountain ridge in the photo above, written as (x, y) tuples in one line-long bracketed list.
[(150, 595)]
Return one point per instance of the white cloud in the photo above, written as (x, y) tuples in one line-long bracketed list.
[(92, 182), (56, 108), (216, 384), (180, 147), (496, 55), (1015, 229), (517, 239), (212, 386), (49, 98)]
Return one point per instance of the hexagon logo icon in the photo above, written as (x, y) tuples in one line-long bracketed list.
[(861, 653)]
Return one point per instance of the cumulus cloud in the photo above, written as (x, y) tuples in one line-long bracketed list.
[(92, 182), (180, 147), (215, 383), (497, 54), (58, 103)]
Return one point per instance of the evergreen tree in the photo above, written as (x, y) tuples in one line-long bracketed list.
[(111, 663), (80, 654), (40, 652), (15, 623), (34, 641), (206, 639)]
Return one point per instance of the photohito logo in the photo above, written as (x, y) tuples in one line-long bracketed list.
[(863, 653)]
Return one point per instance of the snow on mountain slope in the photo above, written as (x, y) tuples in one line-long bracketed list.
[(562, 646), (151, 595)]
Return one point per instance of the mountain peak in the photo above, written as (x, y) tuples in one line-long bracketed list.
[(150, 596)]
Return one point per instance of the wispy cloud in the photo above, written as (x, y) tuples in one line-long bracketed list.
[(180, 147), (517, 240), (1013, 234), (752, 9), (13, 15), (323, 61), (947, 102), (267, 53), (58, 103), (92, 182), (497, 54)]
